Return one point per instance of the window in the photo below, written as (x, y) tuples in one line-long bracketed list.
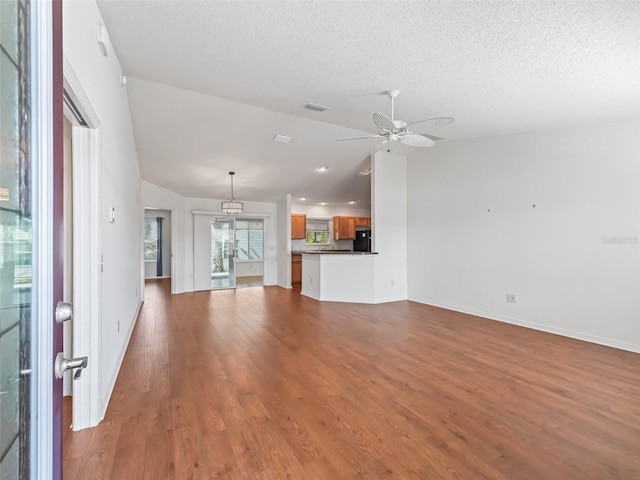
[(318, 232), (250, 239), (150, 240)]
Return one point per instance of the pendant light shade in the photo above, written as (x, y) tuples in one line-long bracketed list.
[(231, 206)]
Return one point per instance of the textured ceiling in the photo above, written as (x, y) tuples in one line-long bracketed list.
[(212, 82)]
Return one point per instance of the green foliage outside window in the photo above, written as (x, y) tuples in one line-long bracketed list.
[(317, 237)]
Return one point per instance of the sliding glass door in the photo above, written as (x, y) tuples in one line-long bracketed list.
[(223, 253)]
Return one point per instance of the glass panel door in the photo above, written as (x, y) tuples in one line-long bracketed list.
[(249, 252), (223, 253), (15, 241)]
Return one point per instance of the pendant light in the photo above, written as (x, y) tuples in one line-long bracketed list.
[(231, 206)]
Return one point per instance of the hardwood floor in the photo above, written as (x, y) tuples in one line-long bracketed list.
[(262, 383)]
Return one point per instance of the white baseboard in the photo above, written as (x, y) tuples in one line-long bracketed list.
[(307, 294), (608, 342), (112, 383)]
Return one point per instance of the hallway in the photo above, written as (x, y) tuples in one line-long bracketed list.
[(262, 383)]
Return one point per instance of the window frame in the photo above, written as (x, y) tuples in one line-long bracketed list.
[(145, 241)]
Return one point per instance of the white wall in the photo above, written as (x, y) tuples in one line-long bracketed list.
[(150, 268), (573, 260), (327, 212), (389, 225), (319, 211), (119, 187), (284, 241)]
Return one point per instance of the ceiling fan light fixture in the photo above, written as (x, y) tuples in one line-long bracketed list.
[(232, 206), (411, 134)]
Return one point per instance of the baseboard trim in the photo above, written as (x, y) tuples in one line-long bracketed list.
[(607, 342), (107, 397)]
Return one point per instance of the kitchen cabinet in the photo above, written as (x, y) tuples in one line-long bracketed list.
[(296, 270), (298, 226), (344, 228), (363, 222)]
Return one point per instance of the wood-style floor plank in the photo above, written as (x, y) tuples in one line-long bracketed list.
[(262, 383)]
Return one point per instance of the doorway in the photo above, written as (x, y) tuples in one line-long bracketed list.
[(157, 244), (237, 252)]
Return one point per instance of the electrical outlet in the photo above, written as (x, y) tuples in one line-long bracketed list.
[(511, 298)]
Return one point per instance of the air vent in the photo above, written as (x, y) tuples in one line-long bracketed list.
[(364, 173), (316, 108), (282, 138)]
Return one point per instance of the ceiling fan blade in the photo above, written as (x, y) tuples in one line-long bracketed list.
[(435, 138), (415, 140), (383, 122), (423, 125), (358, 138)]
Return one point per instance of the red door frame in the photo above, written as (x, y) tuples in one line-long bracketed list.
[(58, 162)]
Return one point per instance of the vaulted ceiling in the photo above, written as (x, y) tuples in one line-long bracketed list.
[(211, 83)]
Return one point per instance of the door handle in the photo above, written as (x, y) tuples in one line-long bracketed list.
[(64, 312), (63, 364)]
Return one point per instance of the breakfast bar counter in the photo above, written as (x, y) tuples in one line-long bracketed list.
[(338, 276)]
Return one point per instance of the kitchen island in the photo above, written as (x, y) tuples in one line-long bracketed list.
[(339, 276)]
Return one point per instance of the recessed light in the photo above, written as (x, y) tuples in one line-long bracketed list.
[(303, 198), (316, 108), (282, 138), (322, 203), (322, 169), (351, 202)]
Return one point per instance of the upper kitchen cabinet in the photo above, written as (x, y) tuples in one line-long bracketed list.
[(363, 222), (344, 228), (298, 226)]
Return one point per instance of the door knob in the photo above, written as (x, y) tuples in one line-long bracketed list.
[(64, 312), (63, 364)]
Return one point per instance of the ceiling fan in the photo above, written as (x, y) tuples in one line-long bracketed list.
[(412, 134)]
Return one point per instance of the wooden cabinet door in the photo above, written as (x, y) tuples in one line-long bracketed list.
[(350, 228), (363, 222), (344, 228), (298, 226), (296, 271), (336, 228)]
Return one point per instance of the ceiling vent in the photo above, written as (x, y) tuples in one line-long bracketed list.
[(316, 108), (281, 138), (363, 173)]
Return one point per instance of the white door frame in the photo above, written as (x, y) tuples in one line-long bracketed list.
[(86, 253), (41, 316)]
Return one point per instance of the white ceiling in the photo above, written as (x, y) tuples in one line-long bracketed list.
[(211, 83)]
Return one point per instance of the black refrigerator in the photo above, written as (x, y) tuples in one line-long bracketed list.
[(362, 242)]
